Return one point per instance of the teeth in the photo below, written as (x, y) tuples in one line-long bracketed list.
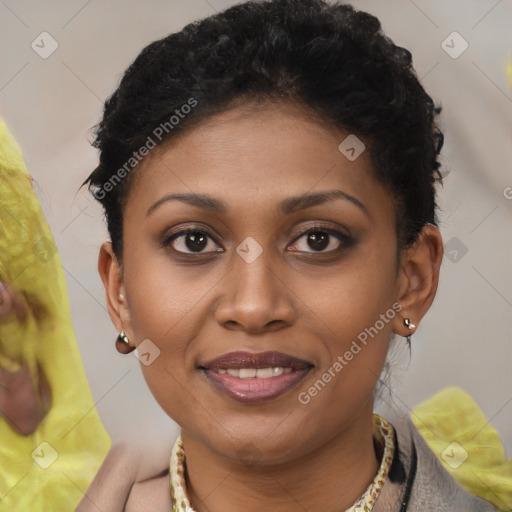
[(247, 373), (250, 373), (265, 373)]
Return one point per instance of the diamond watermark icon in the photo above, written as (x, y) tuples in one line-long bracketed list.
[(249, 454), (146, 352), (45, 455), (44, 45), (351, 147), (454, 455), (454, 45), (44, 249), (455, 249), (249, 250)]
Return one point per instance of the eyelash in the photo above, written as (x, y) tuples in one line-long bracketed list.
[(345, 240)]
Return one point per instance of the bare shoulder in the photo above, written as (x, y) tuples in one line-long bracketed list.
[(153, 495)]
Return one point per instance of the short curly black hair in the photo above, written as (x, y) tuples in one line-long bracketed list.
[(328, 57)]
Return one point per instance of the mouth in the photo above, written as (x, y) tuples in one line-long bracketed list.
[(255, 377)]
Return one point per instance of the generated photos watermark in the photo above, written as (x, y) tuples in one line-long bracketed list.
[(151, 142), (304, 397)]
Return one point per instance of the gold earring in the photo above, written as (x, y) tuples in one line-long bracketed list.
[(409, 324), (123, 344), (411, 327)]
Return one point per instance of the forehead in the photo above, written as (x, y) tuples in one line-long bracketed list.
[(255, 153)]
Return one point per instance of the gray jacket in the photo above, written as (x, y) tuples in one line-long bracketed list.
[(418, 482)]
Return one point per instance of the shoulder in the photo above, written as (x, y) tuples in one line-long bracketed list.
[(418, 481), (131, 476), (152, 495)]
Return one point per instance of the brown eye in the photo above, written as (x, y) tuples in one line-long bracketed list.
[(191, 241), (319, 239)]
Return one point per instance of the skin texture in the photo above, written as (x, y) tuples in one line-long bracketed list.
[(295, 298), (129, 474)]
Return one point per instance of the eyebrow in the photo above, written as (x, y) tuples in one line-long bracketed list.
[(287, 206)]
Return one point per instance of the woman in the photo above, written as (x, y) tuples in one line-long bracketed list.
[(269, 180)]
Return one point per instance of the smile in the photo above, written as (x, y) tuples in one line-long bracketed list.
[(258, 373), (249, 377)]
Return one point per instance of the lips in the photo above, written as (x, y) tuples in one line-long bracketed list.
[(238, 360), (255, 377)]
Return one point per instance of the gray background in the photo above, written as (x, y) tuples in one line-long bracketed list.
[(51, 104)]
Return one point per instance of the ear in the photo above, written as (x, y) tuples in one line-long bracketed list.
[(112, 276), (418, 277)]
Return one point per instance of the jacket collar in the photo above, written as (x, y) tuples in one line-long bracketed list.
[(417, 480)]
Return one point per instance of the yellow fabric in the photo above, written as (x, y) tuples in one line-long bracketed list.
[(467, 445), (72, 430)]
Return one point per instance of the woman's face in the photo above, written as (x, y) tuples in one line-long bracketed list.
[(249, 278)]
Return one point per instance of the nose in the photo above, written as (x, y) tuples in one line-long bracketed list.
[(255, 297)]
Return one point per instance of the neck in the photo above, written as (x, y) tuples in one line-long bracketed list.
[(331, 478)]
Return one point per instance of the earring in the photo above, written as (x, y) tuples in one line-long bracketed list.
[(123, 344), (411, 327), (409, 324)]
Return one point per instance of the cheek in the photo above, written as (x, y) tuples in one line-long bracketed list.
[(356, 349), (168, 386), (168, 311), (168, 375), (355, 309), (353, 297), (165, 297)]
